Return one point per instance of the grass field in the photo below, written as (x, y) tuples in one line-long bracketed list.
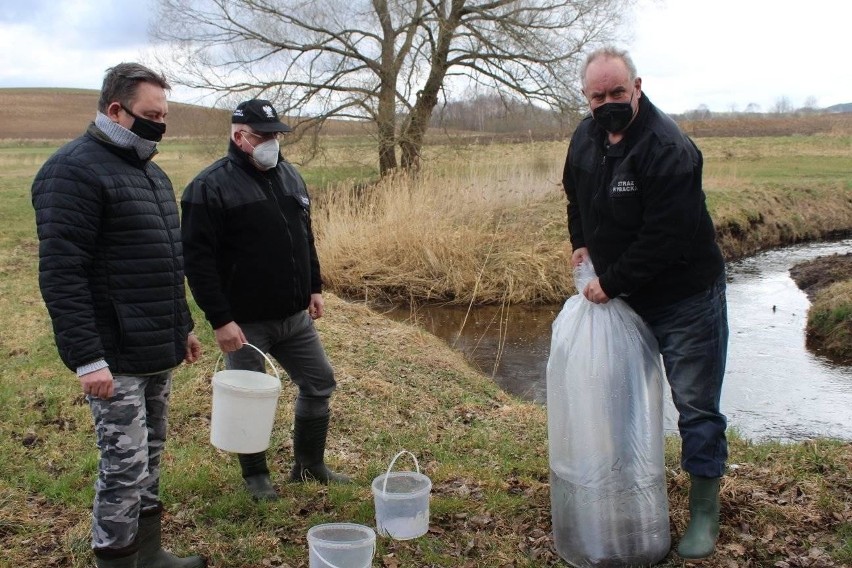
[(489, 214)]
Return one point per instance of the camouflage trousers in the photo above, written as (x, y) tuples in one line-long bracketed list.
[(131, 431)]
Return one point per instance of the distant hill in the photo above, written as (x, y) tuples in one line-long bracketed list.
[(60, 114), (843, 107)]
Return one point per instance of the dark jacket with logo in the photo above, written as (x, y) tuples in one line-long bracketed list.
[(639, 208), (248, 241), (110, 257)]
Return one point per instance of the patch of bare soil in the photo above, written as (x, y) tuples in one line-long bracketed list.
[(814, 275)]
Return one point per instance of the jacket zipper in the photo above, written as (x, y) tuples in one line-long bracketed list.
[(175, 278), (599, 186), (293, 269)]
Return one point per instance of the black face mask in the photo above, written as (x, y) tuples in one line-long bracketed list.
[(144, 128), (614, 117)]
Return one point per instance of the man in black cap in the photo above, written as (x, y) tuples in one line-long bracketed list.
[(253, 269)]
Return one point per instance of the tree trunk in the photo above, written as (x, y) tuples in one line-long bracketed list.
[(387, 72), (387, 150), (411, 140), (414, 131), (386, 123)]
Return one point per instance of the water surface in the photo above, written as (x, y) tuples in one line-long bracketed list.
[(774, 387)]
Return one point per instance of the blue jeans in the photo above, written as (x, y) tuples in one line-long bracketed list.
[(693, 338), (295, 344)]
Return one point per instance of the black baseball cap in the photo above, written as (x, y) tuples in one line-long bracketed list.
[(260, 115)]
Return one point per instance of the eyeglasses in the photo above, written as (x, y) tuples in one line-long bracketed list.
[(263, 136)]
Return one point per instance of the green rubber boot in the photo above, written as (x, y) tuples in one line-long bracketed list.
[(309, 436), (151, 553), (256, 476), (699, 540)]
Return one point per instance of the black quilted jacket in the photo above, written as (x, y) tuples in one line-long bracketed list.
[(110, 257)]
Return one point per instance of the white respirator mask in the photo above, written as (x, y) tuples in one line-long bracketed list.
[(266, 153)]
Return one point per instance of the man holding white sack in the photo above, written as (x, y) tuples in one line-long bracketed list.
[(253, 269), (637, 209)]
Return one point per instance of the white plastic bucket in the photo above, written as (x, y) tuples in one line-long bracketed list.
[(244, 404), (341, 545), (402, 502)]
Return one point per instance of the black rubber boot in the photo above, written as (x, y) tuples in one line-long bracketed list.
[(256, 476), (699, 540), (309, 436), (112, 558), (151, 553)]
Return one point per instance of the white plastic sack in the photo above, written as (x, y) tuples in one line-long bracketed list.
[(605, 433)]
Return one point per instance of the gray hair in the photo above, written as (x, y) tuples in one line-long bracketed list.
[(237, 127), (121, 82), (609, 52)]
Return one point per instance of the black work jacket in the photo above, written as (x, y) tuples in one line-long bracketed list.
[(248, 241), (110, 257), (639, 207)]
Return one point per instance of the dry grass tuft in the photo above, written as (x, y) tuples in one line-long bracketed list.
[(830, 321), (454, 237)]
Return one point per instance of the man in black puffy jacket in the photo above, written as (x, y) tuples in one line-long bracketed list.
[(636, 208), (111, 274), (253, 268)]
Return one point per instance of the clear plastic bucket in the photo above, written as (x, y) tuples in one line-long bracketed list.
[(402, 502), (244, 405), (341, 545)]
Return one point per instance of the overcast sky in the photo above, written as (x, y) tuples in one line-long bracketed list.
[(724, 54)]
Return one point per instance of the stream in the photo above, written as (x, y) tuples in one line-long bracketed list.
[(774, 387)]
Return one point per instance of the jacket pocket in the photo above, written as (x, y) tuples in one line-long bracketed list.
[(303, 211), (117, 326), (624, 197)]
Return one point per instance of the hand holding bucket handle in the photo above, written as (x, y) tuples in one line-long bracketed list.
[(393, 461), (265, 356)]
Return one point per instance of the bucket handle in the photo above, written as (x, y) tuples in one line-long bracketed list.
[(330, 565), (265, 356), (393, 461)]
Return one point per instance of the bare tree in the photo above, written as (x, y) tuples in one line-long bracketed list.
[(495, 114), (782, 106), (810, 105), (702, 112), (386, 61)]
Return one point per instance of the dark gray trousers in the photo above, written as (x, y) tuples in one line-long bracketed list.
[(295, 344)]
